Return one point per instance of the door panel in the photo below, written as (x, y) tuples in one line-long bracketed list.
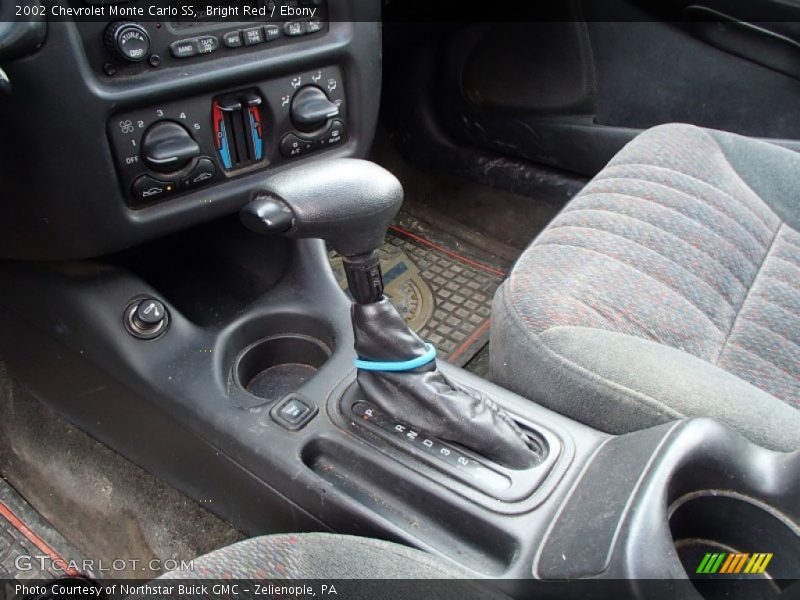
[(569, 94)]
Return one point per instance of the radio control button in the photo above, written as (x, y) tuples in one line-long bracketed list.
[(232, 39), (273, 32), (314, 25), (183, 48), (207, 44), (253, 36), (127, 41), (294, 28)]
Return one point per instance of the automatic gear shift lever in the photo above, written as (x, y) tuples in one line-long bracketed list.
[(350, 204), (347, 202)]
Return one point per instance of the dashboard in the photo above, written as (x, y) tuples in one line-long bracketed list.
[(120, 130)]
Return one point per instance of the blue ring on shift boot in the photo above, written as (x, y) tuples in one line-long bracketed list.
[(398, 365)]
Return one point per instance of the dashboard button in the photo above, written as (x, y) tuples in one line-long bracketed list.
[(203, 173), (294, 28), (253, 36), (273, 32), (292, 146), (207, 44), (232, 39), (314, 26), (149, 189), (127, 41), (183, 48), (333, 136)]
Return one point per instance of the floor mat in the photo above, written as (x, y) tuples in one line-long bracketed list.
[(115, 513), (445, 297), (30, 549)]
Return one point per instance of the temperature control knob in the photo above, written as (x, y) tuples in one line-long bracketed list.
[(127, 41), (168, 147)]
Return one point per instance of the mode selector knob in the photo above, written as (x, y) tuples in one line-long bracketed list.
[(127, 41), (168, 147), (311, 108)]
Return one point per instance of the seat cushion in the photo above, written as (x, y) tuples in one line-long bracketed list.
[(668, 288), (316, 556)]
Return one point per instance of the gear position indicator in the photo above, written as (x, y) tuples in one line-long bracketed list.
[(455, 461), (416, 448)]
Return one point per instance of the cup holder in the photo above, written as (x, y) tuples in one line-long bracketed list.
[(724, 523), (278, 365)]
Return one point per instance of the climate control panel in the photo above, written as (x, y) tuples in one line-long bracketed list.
[(238, 129), (177, 147)]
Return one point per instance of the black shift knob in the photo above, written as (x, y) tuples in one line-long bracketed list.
[(347, 202)]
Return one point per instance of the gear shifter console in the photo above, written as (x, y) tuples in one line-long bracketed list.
[(424, 452), (350, 203)]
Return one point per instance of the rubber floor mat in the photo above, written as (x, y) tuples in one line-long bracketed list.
[(443, 296), (30, 548)]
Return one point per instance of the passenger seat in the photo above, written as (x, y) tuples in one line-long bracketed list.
[(669, 287)]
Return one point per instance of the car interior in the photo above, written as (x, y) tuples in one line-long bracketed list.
[(351, 290)]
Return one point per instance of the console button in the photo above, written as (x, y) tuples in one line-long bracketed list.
[(183, 48), (294, 28), (292, 146), (314, 25), (207, 44), (273, 32), (253, 36), (203, 173), (232, 39), (333, 136), (293, 412), (149, 188)]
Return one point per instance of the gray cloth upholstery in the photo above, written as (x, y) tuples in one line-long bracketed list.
[(357, 567), (316, 556), (668, 288)]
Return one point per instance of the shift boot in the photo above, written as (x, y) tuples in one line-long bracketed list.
[(424, 397)]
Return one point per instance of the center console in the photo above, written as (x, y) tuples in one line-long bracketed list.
[(257, 413)]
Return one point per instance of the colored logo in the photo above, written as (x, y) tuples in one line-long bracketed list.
[(730, 563)]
